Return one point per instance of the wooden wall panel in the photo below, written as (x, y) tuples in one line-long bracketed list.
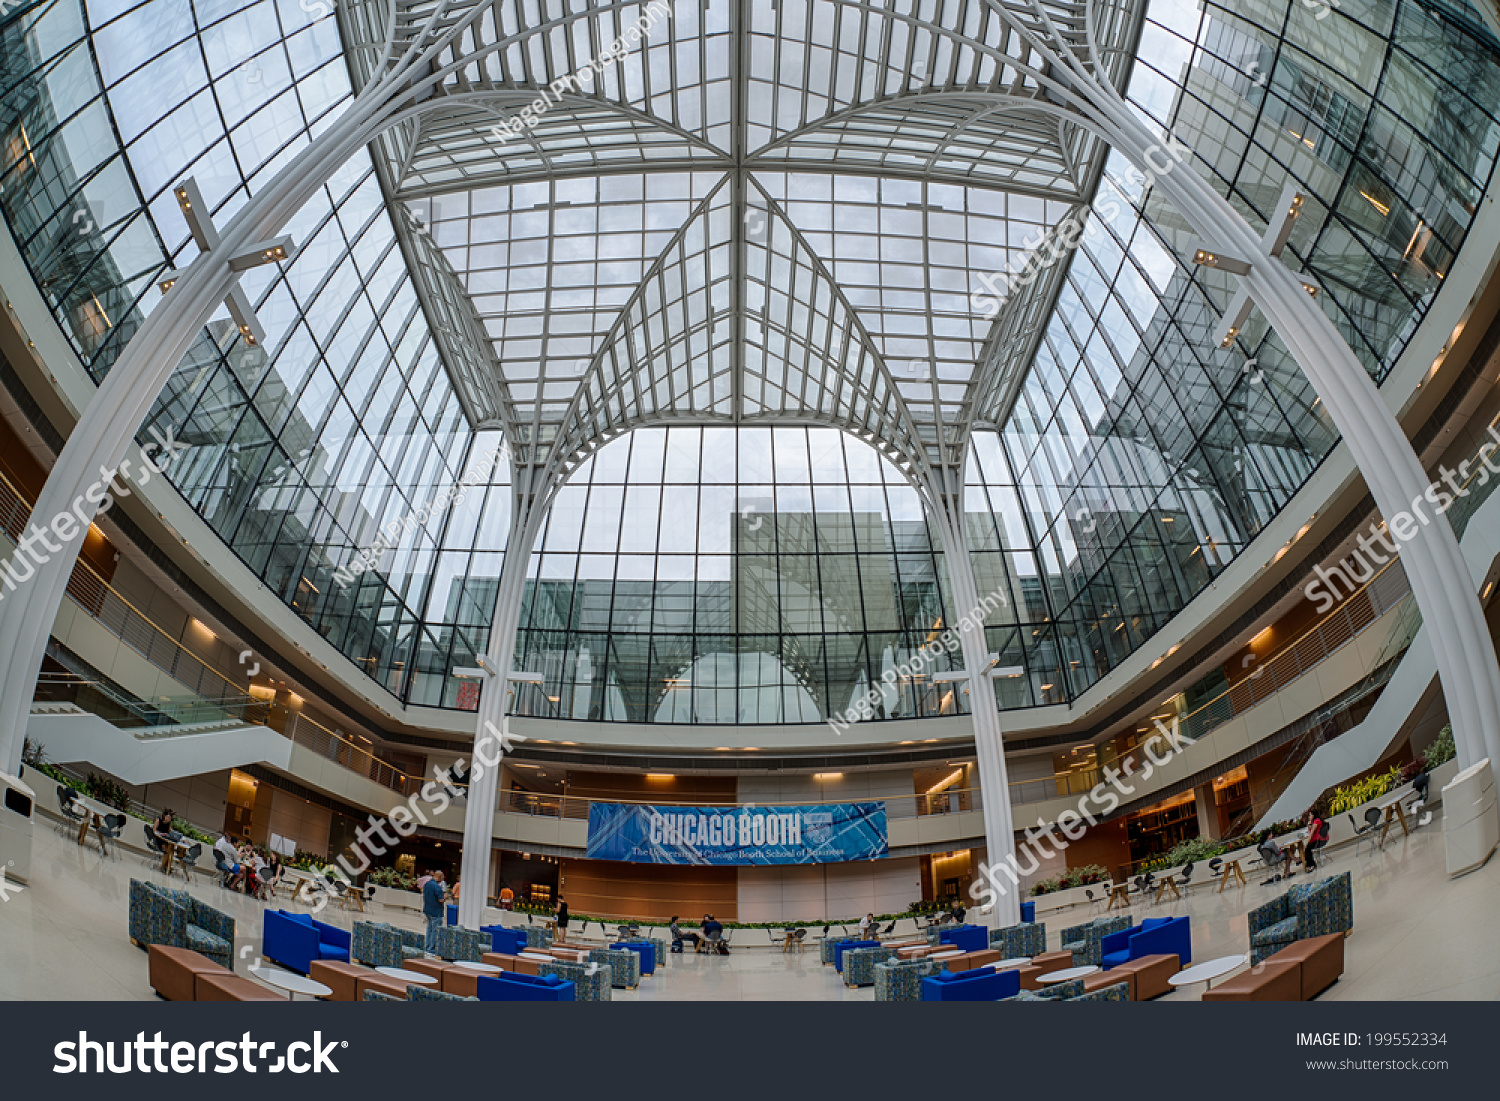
[(613, 888)]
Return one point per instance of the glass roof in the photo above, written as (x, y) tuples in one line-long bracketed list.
[(754, 212)]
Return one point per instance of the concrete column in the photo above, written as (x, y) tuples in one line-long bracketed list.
[(1208, 811)]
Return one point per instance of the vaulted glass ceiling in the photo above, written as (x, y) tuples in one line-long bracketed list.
[(660, 245)]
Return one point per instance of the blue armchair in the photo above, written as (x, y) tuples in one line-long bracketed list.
[(296, 940), (1152, 937), (511, 986), (509, 942), (1307, 910), (970, 938), (983, 984), (1085, 941)]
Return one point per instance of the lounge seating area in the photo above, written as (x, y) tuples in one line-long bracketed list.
[(1152, 937), (983, 984), (1307, 910), (296, 940), (1297, 973), (176, 919)]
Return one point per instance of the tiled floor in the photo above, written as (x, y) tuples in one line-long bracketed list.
[(1417, 933)]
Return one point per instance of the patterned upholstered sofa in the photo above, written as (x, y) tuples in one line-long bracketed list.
[(589, 986), (417, 993), (1086, 941), (1073, 992), (538, 936), (901, 980), (377, 944), (1307, 910), (457, 943), (825, 949), (859, 965), (624, 965), (176, 919), (1027, 939)]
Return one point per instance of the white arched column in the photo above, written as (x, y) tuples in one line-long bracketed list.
[(989, 746), (493, 737)]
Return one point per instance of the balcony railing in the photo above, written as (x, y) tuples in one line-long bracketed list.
[(917, 805), (211, 695)]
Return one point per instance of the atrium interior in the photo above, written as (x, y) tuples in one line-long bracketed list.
[(566, 487)]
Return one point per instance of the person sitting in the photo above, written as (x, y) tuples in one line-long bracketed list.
[(713, 933), (164, 830), (866, 924), (1317, 837), (226, 859), (1270, 853), (272, 874), (255, 875), (678, 937)]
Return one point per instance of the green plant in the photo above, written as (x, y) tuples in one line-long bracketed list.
[(1349, 796), (1441, 750), (187, 829), (109, 792), (390, 877)]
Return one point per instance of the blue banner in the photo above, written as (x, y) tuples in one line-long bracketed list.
[(737, 835)]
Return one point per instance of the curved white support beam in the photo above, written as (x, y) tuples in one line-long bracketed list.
[(492, 734), (989, 745)]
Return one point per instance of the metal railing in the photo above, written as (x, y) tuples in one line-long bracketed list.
[(916, 805), (1388, 589), (213, 696)]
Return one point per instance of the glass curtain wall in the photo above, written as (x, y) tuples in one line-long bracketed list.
[(344, 423), (1139, 460)]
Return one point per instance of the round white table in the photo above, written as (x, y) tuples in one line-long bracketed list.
[(947, 955), (1019, 961), (1206, 972), (407, 976), (1067, 974), (538, 956), (475, 965), (291, 982)]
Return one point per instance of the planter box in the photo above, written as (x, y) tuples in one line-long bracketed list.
[(400, 900)]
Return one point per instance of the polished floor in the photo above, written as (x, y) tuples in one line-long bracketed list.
[(1418, 934)]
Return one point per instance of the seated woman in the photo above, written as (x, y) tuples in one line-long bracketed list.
[(164, 830), (272, 874)]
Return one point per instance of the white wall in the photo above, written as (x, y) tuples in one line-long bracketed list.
[(813, 892)]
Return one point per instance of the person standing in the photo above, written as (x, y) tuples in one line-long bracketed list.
[(433, 898), (507, 896), (561, 928)]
